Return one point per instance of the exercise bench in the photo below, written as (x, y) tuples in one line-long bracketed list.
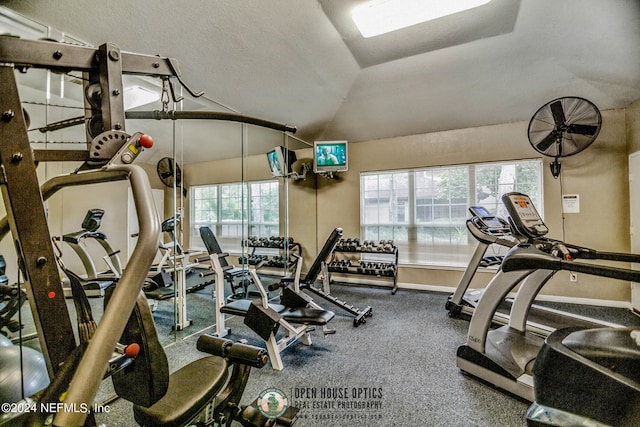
[(319, 267), (231, 272), (296, 314)]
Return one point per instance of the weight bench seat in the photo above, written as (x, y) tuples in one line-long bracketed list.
[(308, 316), (161, 294), (241, 306), (234, 272), (190, 389)]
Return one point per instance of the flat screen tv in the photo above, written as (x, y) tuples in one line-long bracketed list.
[(281, 161), (330, 156)]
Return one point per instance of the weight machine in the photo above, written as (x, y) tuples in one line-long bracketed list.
[(77, 371)]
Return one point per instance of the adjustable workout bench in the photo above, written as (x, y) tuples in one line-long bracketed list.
[(320, 266), (266, 318), (174, 259), (231, 273)]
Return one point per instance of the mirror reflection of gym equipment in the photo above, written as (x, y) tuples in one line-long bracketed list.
[(286, 206), (94, 282), (75, 372)]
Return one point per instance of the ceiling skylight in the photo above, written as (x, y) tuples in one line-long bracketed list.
[(383, 16)]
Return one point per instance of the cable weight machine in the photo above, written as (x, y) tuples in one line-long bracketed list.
[(109, 156)]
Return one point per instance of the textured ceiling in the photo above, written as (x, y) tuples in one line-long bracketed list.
[(285, 60)]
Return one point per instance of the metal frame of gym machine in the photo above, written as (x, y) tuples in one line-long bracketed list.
[(104, 160)]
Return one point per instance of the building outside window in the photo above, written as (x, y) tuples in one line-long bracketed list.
[(235, 211), (424, 210)]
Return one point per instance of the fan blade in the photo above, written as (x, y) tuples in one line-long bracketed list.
[(547, 141), (582, 129), (558, 112)]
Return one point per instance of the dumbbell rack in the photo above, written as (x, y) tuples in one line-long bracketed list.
[(341, 263), (262, 250)]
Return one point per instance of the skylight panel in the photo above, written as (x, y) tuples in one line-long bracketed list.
[(383, 16)]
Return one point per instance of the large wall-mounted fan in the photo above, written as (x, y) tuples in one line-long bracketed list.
[(169, 173), (564, 127)]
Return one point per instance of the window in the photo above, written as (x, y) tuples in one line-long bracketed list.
[(384, 206), (424, 210), (235, 211), (441, 199), (264, 209)]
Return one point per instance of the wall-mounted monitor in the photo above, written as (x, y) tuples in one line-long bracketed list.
[(281, 161), (330, 156)]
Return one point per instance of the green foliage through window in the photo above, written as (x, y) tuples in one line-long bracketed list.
[(425, 209), (237, 210)]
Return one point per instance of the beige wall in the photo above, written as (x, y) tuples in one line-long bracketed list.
[(598, 175), (633, 127)]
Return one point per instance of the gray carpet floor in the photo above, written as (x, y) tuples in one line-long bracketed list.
[(398, 369)]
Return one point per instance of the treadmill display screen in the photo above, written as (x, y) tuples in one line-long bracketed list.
[(489, 220), (524, 214)]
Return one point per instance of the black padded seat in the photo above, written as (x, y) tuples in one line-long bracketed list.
[(308, 316), (161, 294), (235, 271), (241, 306), (95, 285), (190, 388)]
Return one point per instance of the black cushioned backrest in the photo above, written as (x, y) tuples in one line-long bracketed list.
[(328, 247), (146, 380), (212, 245), (293, 299), (262, 321)]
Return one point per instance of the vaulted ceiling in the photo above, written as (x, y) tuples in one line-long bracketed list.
[(301, 62)]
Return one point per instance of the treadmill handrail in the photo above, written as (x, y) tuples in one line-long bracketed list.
[(530, 257)]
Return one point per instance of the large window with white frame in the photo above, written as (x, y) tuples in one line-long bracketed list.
[(424, 210), (235, 211)]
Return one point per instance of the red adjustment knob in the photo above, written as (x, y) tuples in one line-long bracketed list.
[(132, 350), (146, 141)]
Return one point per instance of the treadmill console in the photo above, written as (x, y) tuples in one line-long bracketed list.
[(524, 216), (92, 219), (486, 219)]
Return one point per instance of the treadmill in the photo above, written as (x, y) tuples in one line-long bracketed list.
[(93, 282), (505, 356), (489, 229)]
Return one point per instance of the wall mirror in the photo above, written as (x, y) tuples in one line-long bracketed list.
[(204, 173)]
